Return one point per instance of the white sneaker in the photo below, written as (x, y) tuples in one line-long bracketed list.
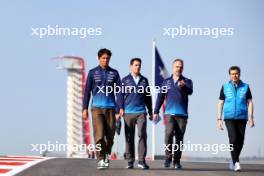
[(231, 166), (101, 164), (106, 161), (237, 167)]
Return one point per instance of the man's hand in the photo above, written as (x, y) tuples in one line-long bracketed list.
[(121, 112), (85, 114), (181, 83), (117, 116), (251, 122), (151, 117), (155, 117), (220, 125)]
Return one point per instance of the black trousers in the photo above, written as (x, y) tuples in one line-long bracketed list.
[(236, 133), (175, 126)]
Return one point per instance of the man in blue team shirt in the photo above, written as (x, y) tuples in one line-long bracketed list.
[(103, 105), (176, 112), (133, 102), (235, 103)]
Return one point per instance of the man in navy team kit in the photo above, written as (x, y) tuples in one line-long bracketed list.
[(176, 112), (99, 80), (133, 102)]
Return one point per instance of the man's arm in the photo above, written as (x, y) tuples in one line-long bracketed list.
[(250, 108), (160, 100), (119, 98), (87, 95), (148, 99), (220, 108), (250, 112), (219, 114)]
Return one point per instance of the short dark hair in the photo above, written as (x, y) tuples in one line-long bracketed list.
[(135, 59), (178, 60), (104, 51), (234, 68)]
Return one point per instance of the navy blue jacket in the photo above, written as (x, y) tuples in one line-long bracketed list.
[(138, 99), (96, 82), (176, 97)]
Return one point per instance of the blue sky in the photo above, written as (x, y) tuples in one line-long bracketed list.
[(33, 92)]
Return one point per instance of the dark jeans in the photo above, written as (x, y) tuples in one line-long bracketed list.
[(104, 130), (236, 133), (175, 127), (131, 120)]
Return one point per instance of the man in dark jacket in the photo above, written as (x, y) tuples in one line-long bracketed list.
[(103, 105), (176, 112), (133, 102)]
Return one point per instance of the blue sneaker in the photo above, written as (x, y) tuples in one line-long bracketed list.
[(167, 163)]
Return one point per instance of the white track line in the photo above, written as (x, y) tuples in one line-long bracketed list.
[(17, 169)]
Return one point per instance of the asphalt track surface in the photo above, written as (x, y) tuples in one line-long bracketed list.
[(87, 167)]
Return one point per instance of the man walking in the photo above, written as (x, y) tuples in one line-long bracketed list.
[(176, 112), (235, 103), (133, 103), (103, 105)]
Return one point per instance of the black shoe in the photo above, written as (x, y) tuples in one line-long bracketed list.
[(167, 163), (177, 165), (130, 165), (143, 165)]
